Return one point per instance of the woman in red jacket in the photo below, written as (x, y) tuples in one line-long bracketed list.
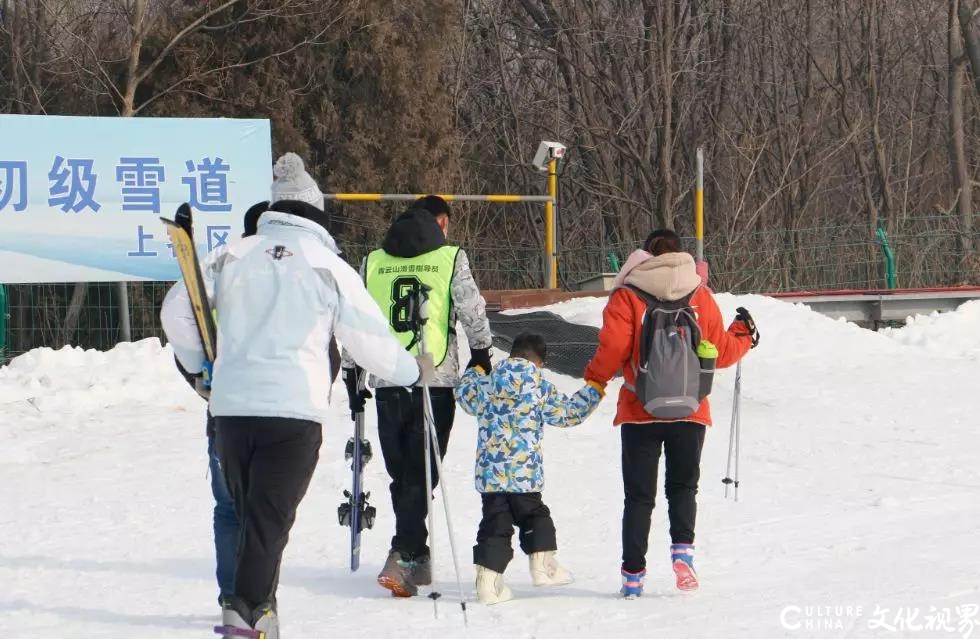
[(667, 273)]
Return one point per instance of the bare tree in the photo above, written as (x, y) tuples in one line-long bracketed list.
[(957, 134), (821, 119)]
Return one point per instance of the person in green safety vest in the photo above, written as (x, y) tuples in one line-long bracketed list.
[(415, 253)]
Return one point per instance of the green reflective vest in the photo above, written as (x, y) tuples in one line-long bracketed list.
[(393, 281)]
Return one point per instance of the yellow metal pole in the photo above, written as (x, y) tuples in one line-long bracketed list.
[(355, 197), (551, 256), (699, 208)]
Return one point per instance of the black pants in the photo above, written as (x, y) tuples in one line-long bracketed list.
[(401, 429), (682, 442), (503, 511), (267, 463)]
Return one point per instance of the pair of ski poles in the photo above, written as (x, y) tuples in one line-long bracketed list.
[(734, 435), (418, 314)]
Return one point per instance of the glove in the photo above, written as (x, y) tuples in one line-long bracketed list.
[(202, 388), (480, 357), (335, 359), (742, 315), (200, 382), (188, 377), (355, 396), (427, 369)]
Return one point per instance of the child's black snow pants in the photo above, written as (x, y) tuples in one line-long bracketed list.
[(503, 511)]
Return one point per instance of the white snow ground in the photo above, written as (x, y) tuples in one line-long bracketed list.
[(860, 485)]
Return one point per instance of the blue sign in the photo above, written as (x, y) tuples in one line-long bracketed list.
[(80, 197)]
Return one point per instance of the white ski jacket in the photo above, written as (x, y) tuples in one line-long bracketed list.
[(278, 297)]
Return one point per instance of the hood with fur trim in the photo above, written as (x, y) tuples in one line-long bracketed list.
[(667, 277)]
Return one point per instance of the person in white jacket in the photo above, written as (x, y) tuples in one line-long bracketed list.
[(279, 296)]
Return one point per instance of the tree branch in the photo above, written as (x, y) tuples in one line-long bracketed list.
[(315, 40), (177, 39)]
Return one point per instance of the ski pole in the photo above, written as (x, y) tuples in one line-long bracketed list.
[(738, 423), (427, 438), (734, 433), (433, 436), (419, 317)]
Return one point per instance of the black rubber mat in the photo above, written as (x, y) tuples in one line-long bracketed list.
[(570, 346)]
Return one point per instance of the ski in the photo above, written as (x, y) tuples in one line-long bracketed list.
[(355, 511), (180, 230), (231, 631)]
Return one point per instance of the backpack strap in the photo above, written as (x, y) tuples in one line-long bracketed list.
[(653, 300), (647, 298)]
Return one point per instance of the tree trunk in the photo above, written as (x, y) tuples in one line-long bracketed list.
[(957, 141), (41, 29), (667, 102), (971, 39), (132, 68), (74, 312), (15, 25)]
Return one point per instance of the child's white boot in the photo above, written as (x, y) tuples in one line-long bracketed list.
[(490, 587), (546, 571)]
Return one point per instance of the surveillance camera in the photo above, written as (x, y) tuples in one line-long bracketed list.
[(548, 151)]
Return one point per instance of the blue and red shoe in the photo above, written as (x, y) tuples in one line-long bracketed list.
[(632, 583), (682, 558)]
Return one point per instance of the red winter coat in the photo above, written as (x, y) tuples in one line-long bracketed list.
[(668, 277)]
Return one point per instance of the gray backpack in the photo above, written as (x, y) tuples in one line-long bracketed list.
[(668, 378)]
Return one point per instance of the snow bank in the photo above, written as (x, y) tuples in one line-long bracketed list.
[(943, 334), (79, 380)]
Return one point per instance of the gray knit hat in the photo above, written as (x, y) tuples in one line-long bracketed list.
[(294, 183)]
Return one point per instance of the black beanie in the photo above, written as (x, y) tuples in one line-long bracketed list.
[(304, 210), (251, 221)]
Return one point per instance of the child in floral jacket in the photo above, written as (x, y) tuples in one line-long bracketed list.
[(512, 405)]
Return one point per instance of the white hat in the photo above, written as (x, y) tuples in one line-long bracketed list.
[(294, 183)]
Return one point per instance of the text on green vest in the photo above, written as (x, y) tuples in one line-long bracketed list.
[(393, 281)]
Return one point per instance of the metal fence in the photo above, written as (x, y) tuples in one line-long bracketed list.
[(85, 315), (824, 257), (810, 258)]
